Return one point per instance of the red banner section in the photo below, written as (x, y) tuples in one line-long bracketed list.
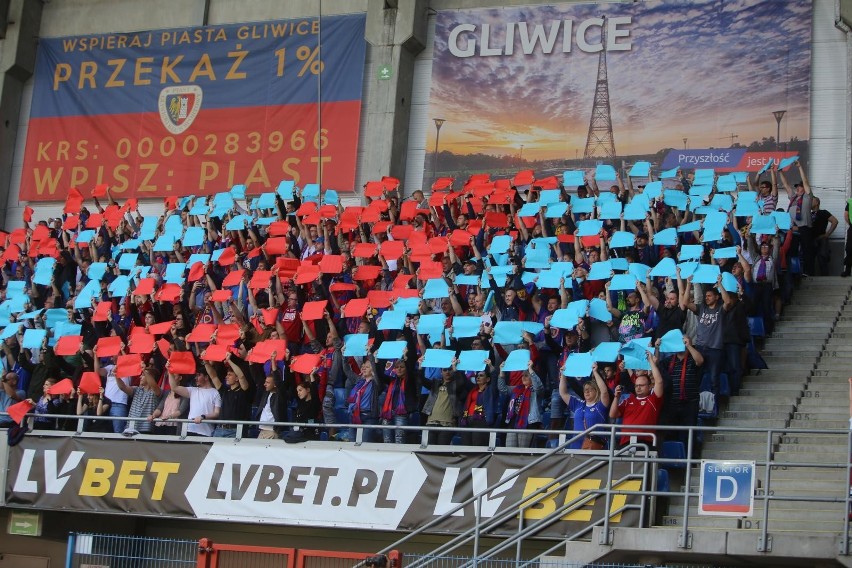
[(151, 162)]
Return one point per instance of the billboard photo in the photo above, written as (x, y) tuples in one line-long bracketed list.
[(571, 85)]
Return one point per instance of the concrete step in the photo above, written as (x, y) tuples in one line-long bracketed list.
[(791, 363), (755, 390), (758, 454), (819, 487), (838, 376), (754, 414), (823, 456), (737, 438), (816, 424), (806, 352), (781, 472), (781, 511), (782, 378), (773, 346), (805, 440), (721, 523), (822, 413), (753, 423), (749, 403)]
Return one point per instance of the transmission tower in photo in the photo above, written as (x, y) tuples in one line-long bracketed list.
[(600, 142)]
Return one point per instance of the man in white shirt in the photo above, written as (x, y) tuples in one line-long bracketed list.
[(119, 400), (204, 403)]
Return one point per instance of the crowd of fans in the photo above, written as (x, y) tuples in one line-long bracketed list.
[(520, 304)]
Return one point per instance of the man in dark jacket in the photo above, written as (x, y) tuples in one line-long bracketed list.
[(272, 408)]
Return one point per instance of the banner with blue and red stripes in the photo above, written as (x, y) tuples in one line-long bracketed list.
[(197, 110)]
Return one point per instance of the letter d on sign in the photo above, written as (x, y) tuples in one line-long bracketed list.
[(731, 483)]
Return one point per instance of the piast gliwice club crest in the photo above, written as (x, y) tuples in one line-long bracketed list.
[(179, 106)]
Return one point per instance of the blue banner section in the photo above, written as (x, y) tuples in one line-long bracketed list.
[(240, 65), (708, 158)]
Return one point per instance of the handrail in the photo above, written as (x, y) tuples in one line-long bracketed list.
[(767, 497)]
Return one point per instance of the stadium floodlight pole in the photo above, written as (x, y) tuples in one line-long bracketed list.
[(439, 122), (778, 114), (684, 143)]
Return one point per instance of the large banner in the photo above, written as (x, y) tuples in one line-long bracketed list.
[(558, 87), (197, 110), (390, 490)]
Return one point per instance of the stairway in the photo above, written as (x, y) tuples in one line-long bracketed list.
[(809, 357)]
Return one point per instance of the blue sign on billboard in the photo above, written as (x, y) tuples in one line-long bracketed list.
[(727, 488), (707, 158)]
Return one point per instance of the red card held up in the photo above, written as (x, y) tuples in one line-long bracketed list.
[(68, 345), (331, 264), (233, 278), (18, 410), (141, 343), (306, 363), (90, 383), (160, 328), (355, 308), (215, 353), (313, 310), (145, 287), (129, 366), (65, 386), (222, 296), (182, 363), (109, 346)]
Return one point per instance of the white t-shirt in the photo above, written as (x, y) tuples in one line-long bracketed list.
[(202, 401), (111, 390)]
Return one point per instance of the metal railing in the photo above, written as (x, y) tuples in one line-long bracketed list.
[(766, 495), (129, 551)]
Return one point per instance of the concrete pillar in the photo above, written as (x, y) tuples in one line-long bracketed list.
[(396, 32), (16, 67)]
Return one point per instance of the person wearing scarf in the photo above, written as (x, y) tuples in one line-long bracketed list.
[(363, 399), (590, 410), (481, 410), (524, 411)]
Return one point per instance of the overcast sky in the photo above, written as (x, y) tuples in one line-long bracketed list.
[(699, 70)]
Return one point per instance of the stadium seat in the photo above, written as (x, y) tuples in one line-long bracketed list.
[(673, 450), (663, 481)]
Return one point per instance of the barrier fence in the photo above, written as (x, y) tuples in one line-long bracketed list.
[(766, 495)]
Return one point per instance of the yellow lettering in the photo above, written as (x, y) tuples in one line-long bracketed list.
[(79, 175), (61, 74), (150, 170), (203, 68), (47, 179), (118, 65), (321, 162), (289, 168), (168, 68), (258, 174), (42, 154), (574, 492), (129, 479), (121, 183), (87, 71), (541, 505), (96, 478), (163, 471), (142, 69), (209, 171), (618, 501), (62, 149), (82, 150), (239, 56)]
